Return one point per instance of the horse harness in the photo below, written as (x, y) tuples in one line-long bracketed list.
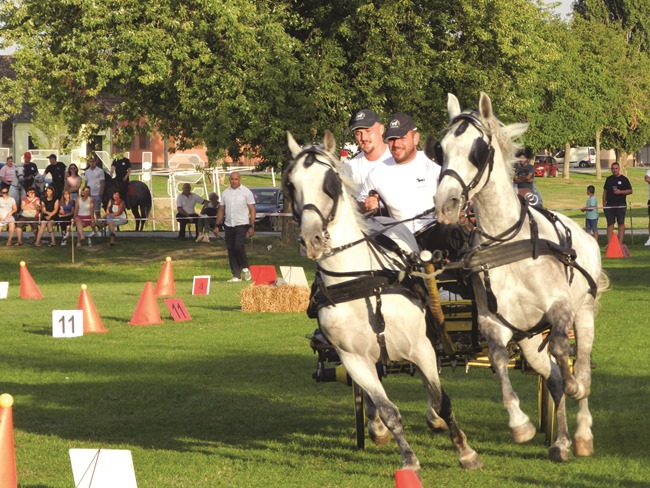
[(501, 250)]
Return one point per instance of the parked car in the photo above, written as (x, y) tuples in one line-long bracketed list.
[(583, 156), (545, 165), (268, 201)]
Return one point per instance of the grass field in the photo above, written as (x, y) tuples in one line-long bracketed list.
[(227, 398)]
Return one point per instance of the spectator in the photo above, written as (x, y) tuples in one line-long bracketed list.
[(73, 181), (207, 218), (30, 209), (56, 169), (238, 208), (615, 192), (8, 210), (8, 173), (120, 170), (66, 211), (647, 180), (407, 186), (186, 214), (115, 214), (83, 214), (591, 215), (524, 177), (368, 131), (30, 171), (96, 180), (49, 212)]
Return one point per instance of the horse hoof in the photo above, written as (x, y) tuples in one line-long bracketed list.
[(470, 461), (523, 433), (380, 439), (558, 454), (584, 447)]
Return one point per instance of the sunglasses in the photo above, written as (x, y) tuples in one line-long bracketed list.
[(5, 193)]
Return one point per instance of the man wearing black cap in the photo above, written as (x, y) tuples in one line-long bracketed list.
[(368, 131), (30, 170), (56, 170), (408, 186)]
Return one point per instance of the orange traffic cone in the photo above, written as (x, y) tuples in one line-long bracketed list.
[(28, 288), (146, 312), (8, 476), (405, 478), (614, 248), (92, 320), (165, 285)]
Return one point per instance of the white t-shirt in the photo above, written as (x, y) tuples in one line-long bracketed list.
[(406, 189), (358, 167), (647, 174), (188, 203), (236, 201), (8, 173), (6, 205), (94, 177)]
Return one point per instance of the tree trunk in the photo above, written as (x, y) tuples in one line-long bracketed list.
[(622, 161), (567, 161), (599, 172)]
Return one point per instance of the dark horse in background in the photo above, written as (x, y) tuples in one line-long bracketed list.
[(137, 199)]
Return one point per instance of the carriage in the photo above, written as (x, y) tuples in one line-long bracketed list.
[(370, 310)]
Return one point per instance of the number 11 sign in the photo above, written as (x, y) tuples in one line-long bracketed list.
[(67, 323)]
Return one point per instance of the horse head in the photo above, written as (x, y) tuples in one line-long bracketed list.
[(472, 149), (313, 184)]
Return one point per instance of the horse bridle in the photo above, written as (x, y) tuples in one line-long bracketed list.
[(481, 155)]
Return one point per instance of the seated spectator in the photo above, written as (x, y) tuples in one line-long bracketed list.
[(30, 210), (207, 218), (8, 209), (66, 210), (115, 214), (186, 214), (49, 212), (84, 213)]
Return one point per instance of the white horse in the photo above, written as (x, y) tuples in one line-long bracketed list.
[(366, 315), (532, 270), (17, 189)]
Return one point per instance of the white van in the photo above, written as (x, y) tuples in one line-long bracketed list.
[(583, 156)]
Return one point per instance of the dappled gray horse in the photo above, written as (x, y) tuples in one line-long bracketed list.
[(533, 271), (367, 314)]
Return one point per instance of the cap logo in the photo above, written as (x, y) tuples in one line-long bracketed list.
[(394, 124), (360, 116)]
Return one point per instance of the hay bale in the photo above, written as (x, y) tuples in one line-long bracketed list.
[(277, 299)]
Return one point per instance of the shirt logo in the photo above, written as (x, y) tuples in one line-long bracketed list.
[(419, 180)]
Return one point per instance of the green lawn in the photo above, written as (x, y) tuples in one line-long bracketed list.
[(227, 399)]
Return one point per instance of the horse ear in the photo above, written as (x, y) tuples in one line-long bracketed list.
[(453, 106), (293, 145), (485, 107), (329, 142)]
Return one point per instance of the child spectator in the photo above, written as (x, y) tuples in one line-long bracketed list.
[(591, 212), (66, 210)]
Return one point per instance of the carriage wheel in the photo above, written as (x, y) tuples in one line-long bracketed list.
[(546, 411), (359, 416)]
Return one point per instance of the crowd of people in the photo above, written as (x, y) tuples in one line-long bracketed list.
[(69, 200)]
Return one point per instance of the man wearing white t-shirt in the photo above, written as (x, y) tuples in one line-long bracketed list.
[(368, 131), (407, 187), (647, 180)]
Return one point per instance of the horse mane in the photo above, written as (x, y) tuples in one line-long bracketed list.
[(506, 136), (350, 188)]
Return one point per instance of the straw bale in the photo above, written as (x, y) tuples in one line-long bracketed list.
[(277, 299)]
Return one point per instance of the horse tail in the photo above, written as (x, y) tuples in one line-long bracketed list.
[(603, 286)]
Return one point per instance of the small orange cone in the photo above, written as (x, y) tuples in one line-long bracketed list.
[(614, 248), (405, 478), (8, 476), (28, 288), (165, 285), (92, 320), (147, 312)]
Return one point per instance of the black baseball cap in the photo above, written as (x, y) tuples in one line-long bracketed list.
[(363, 119), (398, 126), (52, 156)]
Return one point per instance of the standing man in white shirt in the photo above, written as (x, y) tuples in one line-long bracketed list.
[(407, 187), (368, 132), (95, 180), (238, 207)]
